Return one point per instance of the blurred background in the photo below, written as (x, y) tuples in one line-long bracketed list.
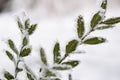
[(57, 22)]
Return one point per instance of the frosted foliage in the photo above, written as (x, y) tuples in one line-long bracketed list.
[(101, 62)]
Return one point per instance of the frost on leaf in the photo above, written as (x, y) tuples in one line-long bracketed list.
[(49, 73), (20, 24), (104, 4), (72, 63), (56, 53), (94, 40), (80, 26), (62, 67), (10, 56), (27, 24), (95, 20), (25, 52), (12, 46), (25, 41), (104, 27), (43, 56), (71, 46), (111, 21), (32, 29)]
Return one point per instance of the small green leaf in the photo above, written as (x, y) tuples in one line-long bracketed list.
[(104, 27), (95, 20), (62, 67), (12, 46), (104, 4), (25, 41), (32, 29), (73, 63), (80, 26), (94, 40), (8, 76), (43, 56), (10, 56), (71, 46), (49, 73), (20, 25), (19, 69), (111, 21), (25, 52), (29, 76), (27, 24), (56, 53)]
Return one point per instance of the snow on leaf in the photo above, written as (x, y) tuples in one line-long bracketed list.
[(25, 41), (12, 46), (80, 26), (96, 19), (72, 63), (61, 67), (43, 56), (27, 23), (104, 4), (71, 46), (32, 28), (111, 21), (25, 52), (10, 56), (94, 40), (56, 53), (104, 27)]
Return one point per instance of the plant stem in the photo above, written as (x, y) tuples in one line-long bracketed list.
[(70, 77), (62, 59), (91, 30), (16, 72), (82, 39)]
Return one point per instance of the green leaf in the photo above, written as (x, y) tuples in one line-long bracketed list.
[(43, 56), (62, 67), (56, 53), (20, 25), (104, 4), (111, 21), (10, 56), (80, 26), (95, 20), (104, 27), (19, 69), (12, 46), (71, 46), (25, 41), (8, 76), (27, 24), (25, 52), (72, 63), (32, 29), (49, 73), (94, 40), (29, 76)]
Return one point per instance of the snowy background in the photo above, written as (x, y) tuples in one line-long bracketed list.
[(57, 22)]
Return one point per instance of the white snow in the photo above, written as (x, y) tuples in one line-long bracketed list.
[(101, 62)]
